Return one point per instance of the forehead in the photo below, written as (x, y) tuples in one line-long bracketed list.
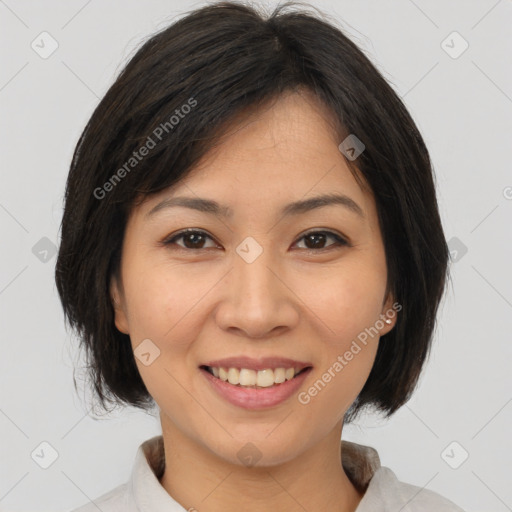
[(279, 153)]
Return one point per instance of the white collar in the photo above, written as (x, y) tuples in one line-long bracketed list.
[(359, 462)]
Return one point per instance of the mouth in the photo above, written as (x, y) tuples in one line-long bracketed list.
[(256, 379), (265, 384)]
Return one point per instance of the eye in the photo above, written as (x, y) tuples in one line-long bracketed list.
[(195, 239), (318, 238)]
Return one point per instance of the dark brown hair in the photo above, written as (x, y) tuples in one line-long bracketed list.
[(219, 61)]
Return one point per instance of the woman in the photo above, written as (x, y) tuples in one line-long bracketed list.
[(251, 241)]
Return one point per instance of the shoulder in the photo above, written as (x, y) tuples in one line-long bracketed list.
[(116, 500), (387, 493)]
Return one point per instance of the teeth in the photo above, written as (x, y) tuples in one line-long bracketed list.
[(233, 376), (265, 378), (279, 375), (251, 378), (223, 374), (247, 377)]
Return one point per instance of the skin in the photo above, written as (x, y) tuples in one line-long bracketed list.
[(199, 304)]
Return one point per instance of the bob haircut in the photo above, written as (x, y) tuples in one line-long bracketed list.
[(176, 96)]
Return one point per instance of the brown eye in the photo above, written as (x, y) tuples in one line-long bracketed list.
[(192, 239), (196, 239), (316, 240)]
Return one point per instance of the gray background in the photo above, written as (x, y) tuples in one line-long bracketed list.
[(462, 105)]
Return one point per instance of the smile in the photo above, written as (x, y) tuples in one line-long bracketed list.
[(248, 378), (253, 396)]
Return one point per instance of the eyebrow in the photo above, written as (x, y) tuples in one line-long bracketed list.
[(295, 208)]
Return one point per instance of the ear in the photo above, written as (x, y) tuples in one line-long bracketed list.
[(119, 306), (390, 311)]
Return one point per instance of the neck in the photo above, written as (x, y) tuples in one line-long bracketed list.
[(200, 480)]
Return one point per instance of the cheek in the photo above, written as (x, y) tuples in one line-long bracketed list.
[(161, 309), (349, 302), (351, 307), (349, 349), (160, 297), (164, 304)]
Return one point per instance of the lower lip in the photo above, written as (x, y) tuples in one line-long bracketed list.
[(256, 398)]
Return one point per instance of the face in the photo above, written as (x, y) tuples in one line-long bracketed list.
[(255, 280)]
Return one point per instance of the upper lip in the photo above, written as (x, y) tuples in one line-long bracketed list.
[(262, 363)]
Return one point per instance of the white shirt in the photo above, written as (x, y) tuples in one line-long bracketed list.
[(384, 492)]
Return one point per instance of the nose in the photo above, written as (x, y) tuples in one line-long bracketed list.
[(257, 301)]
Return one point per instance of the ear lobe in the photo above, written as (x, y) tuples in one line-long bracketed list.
[(389, 313), (120, 317)]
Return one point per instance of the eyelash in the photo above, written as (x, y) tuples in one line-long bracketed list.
[(172, 239)]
